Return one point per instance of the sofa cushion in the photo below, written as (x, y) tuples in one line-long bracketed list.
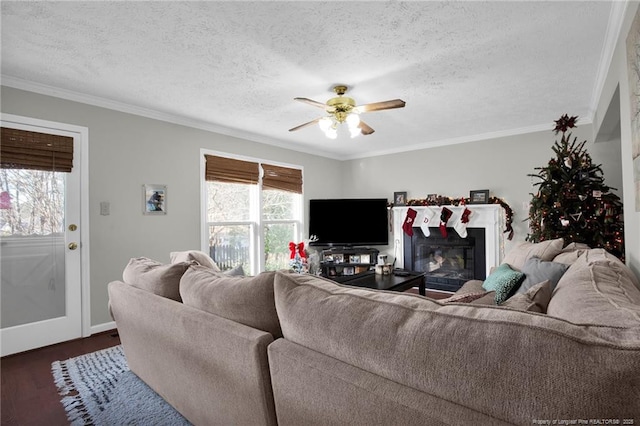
[(446, 350), (545, 250), (198, 256), (503, 280), (536, 271), (535, 299), (153, 276), (247, 300), (597, 289), (571, 253)]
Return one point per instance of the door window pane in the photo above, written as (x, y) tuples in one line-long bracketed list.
[(33, 246)]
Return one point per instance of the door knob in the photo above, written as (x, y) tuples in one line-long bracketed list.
[(73, 246)]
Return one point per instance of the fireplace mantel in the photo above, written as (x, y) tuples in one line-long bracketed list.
[(488, 216)]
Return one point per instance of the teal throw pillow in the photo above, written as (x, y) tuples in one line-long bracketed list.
[(502, 280)]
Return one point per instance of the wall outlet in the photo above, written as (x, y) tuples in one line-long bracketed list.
[(105, 208)]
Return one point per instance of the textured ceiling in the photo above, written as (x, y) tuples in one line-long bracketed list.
[(465, 69)]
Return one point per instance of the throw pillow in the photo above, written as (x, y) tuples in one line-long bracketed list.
[(536, 299), (160, 279), (464, 297), (487, 299), (545, 250), (194, 255), (571, 253), (236, 271), (537, 270), (471, 286), (247, 300), (502, 280)]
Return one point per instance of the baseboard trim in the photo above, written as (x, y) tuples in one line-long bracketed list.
[(101, 328)]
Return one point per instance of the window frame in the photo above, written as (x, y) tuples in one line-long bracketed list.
[(256, 222)]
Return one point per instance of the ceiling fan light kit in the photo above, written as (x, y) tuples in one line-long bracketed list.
[(341, 109)]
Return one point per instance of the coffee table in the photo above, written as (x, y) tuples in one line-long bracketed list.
[(398, 281)]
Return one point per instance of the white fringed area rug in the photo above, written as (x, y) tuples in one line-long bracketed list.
[(99, 389)]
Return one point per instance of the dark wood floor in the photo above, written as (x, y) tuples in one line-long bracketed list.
[(28, 395)]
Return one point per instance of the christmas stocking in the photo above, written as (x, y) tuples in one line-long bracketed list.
[(426, 221), (407, 226), (444, 218), (461, 224)]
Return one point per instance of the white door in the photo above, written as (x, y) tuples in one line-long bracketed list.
[(41, 249)]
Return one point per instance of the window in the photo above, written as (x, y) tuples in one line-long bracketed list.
[(253, 209)]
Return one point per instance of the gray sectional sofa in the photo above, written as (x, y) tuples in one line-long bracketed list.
[(290, 349)]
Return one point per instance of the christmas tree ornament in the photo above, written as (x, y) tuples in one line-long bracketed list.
[(407, 226), (582, 197), (564, 222), (445, 215), (426, 220), (576, 216), (568, 162)]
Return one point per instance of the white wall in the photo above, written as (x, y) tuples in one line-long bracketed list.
[(617, 78), (127, 151)]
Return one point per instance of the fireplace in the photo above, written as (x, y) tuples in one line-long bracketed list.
[(447, 262)]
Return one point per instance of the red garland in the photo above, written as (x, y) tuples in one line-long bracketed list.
[(446, 201)]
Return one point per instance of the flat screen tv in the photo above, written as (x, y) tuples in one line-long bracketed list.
[(349, 222)]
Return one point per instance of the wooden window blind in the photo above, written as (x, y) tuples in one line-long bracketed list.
[(20, 149), (282, 178), (230, 170)]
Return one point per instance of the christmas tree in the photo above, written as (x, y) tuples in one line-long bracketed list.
[(573, 201)]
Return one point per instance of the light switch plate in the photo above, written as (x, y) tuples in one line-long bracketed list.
[(105, 208)]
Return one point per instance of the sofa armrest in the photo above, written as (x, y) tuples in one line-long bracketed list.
[(212, 370)]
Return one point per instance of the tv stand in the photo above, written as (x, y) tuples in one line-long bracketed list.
[(347, 261)]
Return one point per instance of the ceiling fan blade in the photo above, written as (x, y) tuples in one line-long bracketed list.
[(311, 102), (310, 123), (365, 129), (379, 106)]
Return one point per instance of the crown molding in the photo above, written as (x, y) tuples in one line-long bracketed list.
[(70, 95), (463, 139)]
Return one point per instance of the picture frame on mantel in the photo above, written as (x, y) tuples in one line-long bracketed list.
[(399, 198), (154, 199), (479, 196)]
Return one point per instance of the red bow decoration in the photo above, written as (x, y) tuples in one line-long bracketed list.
[(300, 246)]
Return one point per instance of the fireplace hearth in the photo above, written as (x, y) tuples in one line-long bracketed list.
[(447, 262)]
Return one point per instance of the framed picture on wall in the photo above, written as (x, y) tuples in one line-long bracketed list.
[(154, 199), (479, 196)]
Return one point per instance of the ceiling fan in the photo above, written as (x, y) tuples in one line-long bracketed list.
[(343, 109)]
